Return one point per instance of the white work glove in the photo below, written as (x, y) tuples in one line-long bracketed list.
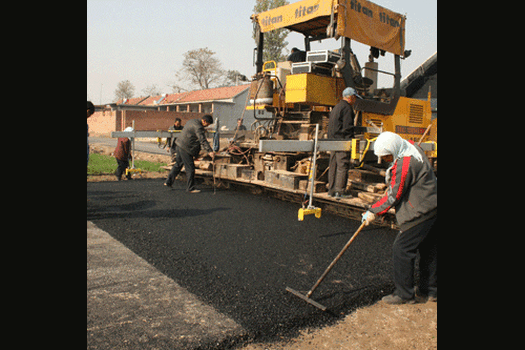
[(368, 217)]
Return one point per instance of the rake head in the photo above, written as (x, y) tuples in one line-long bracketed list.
[(305, 298)]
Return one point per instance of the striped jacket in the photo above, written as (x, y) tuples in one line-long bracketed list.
[(412, 191)]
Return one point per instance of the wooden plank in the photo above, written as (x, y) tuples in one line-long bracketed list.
[(370, 197), (363, 186), (319, 186)]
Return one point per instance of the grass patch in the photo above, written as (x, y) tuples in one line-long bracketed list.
[(100, 164)]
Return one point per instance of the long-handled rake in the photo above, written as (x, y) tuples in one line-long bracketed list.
[(307, 296)]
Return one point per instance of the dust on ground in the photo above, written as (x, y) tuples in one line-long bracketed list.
[(379, 326)]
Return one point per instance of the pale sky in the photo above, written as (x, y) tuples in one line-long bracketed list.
[(143, 40)]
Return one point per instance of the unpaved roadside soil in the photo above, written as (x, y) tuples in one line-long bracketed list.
[(380, 326)]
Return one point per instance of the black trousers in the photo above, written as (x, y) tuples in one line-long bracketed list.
[(422, 238), (121, 169), (173, 150), (186, 159), (338, 172)]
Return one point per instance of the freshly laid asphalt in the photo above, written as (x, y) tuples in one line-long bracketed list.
[(237, 252)]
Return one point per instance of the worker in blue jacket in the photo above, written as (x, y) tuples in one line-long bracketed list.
[(412, 192)]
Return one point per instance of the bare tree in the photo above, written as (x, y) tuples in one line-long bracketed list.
[(124, 90), (176, 89), (201, 68), (152, 90), (233, 78)]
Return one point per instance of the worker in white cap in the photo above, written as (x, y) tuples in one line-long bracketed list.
[(412, 192), (341, 126)]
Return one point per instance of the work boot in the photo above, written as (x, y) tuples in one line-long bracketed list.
[(424, 296), (339, 196), (427, 297), (397, 300), (195, 191)]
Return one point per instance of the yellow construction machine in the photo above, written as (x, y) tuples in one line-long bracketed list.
[(284, 153), (301, 94)]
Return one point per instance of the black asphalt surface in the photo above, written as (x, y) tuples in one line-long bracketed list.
[(238, 252)]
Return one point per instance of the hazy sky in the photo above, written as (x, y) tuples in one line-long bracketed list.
[(143, 40)]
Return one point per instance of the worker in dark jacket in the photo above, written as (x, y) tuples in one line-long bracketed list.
[(412, 192), (122, 154), (297, 55), (171, 141), (341, 126), (189, 144)]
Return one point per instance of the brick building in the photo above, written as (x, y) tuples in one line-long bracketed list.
[(159, 112)]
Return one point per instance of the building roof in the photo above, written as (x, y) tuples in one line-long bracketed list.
[(222, 93), (207, 95), (131, 101)]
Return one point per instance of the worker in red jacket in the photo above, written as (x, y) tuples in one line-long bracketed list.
[(123, 155), (412, 192)]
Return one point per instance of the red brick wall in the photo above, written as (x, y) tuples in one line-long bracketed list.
[(155, 120), (103, 123)]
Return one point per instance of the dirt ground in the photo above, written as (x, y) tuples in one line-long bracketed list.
[(379, 326)]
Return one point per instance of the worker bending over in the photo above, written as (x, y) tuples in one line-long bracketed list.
[(122, 154), (189, 145), (412, 192)]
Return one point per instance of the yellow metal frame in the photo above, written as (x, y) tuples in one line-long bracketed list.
[(355, 149), (133, 171), (267, 63), (309, 211)]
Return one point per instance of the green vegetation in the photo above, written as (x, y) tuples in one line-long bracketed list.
[(101, 164)]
